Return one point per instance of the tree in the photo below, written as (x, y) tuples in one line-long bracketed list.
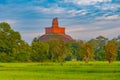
[(57, 50), (22, 52), (110, 51), (11, 44), (117, 41), (40, 51), (5, 32), (73, 50), (86, 53), (79, 47), (4, 57), (99, 47), (9, 40)]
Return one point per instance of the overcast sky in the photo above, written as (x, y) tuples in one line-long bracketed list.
[(83, 19)]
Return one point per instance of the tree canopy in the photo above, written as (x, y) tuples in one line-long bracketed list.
[(14, 49)]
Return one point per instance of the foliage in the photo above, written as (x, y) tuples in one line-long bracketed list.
[(14, 49), (110, 51), (98, 45), (57, 50), (22, 52), (39, 51), (11, 44), (4, 57), (86, 52)]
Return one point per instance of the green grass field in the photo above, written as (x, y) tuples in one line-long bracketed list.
[(56, 71)]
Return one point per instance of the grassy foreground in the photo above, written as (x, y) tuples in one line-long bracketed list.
[(56, 71)]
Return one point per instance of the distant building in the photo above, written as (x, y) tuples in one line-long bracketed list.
[(55, 32), (55, 28)]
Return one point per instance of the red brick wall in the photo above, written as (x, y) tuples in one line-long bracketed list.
[(55, 30)]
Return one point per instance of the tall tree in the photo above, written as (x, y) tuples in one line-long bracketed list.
[(9, 39), (99, 47), (86, 52), (58, 50), (39, 51), (73, 48), (110, 51), (117, 41), (21, 53)]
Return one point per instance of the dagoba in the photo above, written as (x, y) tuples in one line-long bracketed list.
[(55, 32), (55, 28)]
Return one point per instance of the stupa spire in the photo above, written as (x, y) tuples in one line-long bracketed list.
[(55, 23), (55, 28)]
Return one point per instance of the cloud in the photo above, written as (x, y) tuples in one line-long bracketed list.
[(83, 18), (108, 17), (86, 2), (86, 35), (31, 34), (75, 29), (61, 11), (74, 13), (51, 10), (110, 31), (112, 17), (11, 22), (112, 7), (82, 28)]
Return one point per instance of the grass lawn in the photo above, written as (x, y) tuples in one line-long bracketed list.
[(56, 71)]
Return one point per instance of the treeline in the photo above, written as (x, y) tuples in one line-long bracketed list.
[(14, 49)]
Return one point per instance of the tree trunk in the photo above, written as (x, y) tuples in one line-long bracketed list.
[(86, 60), (110, 61)]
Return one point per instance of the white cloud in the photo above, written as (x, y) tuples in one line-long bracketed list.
[(31, 35), (86, 2), (112, 17), (109, 33), (106, 17), (108, 6), (82, 28), (11, 22), (63, 11), (75, 29), (51, 10), (77, 12)]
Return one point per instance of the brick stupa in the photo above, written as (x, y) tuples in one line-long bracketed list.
[(55, 28), (55, 32)]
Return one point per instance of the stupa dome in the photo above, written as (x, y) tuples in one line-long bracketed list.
[(55, 32)]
